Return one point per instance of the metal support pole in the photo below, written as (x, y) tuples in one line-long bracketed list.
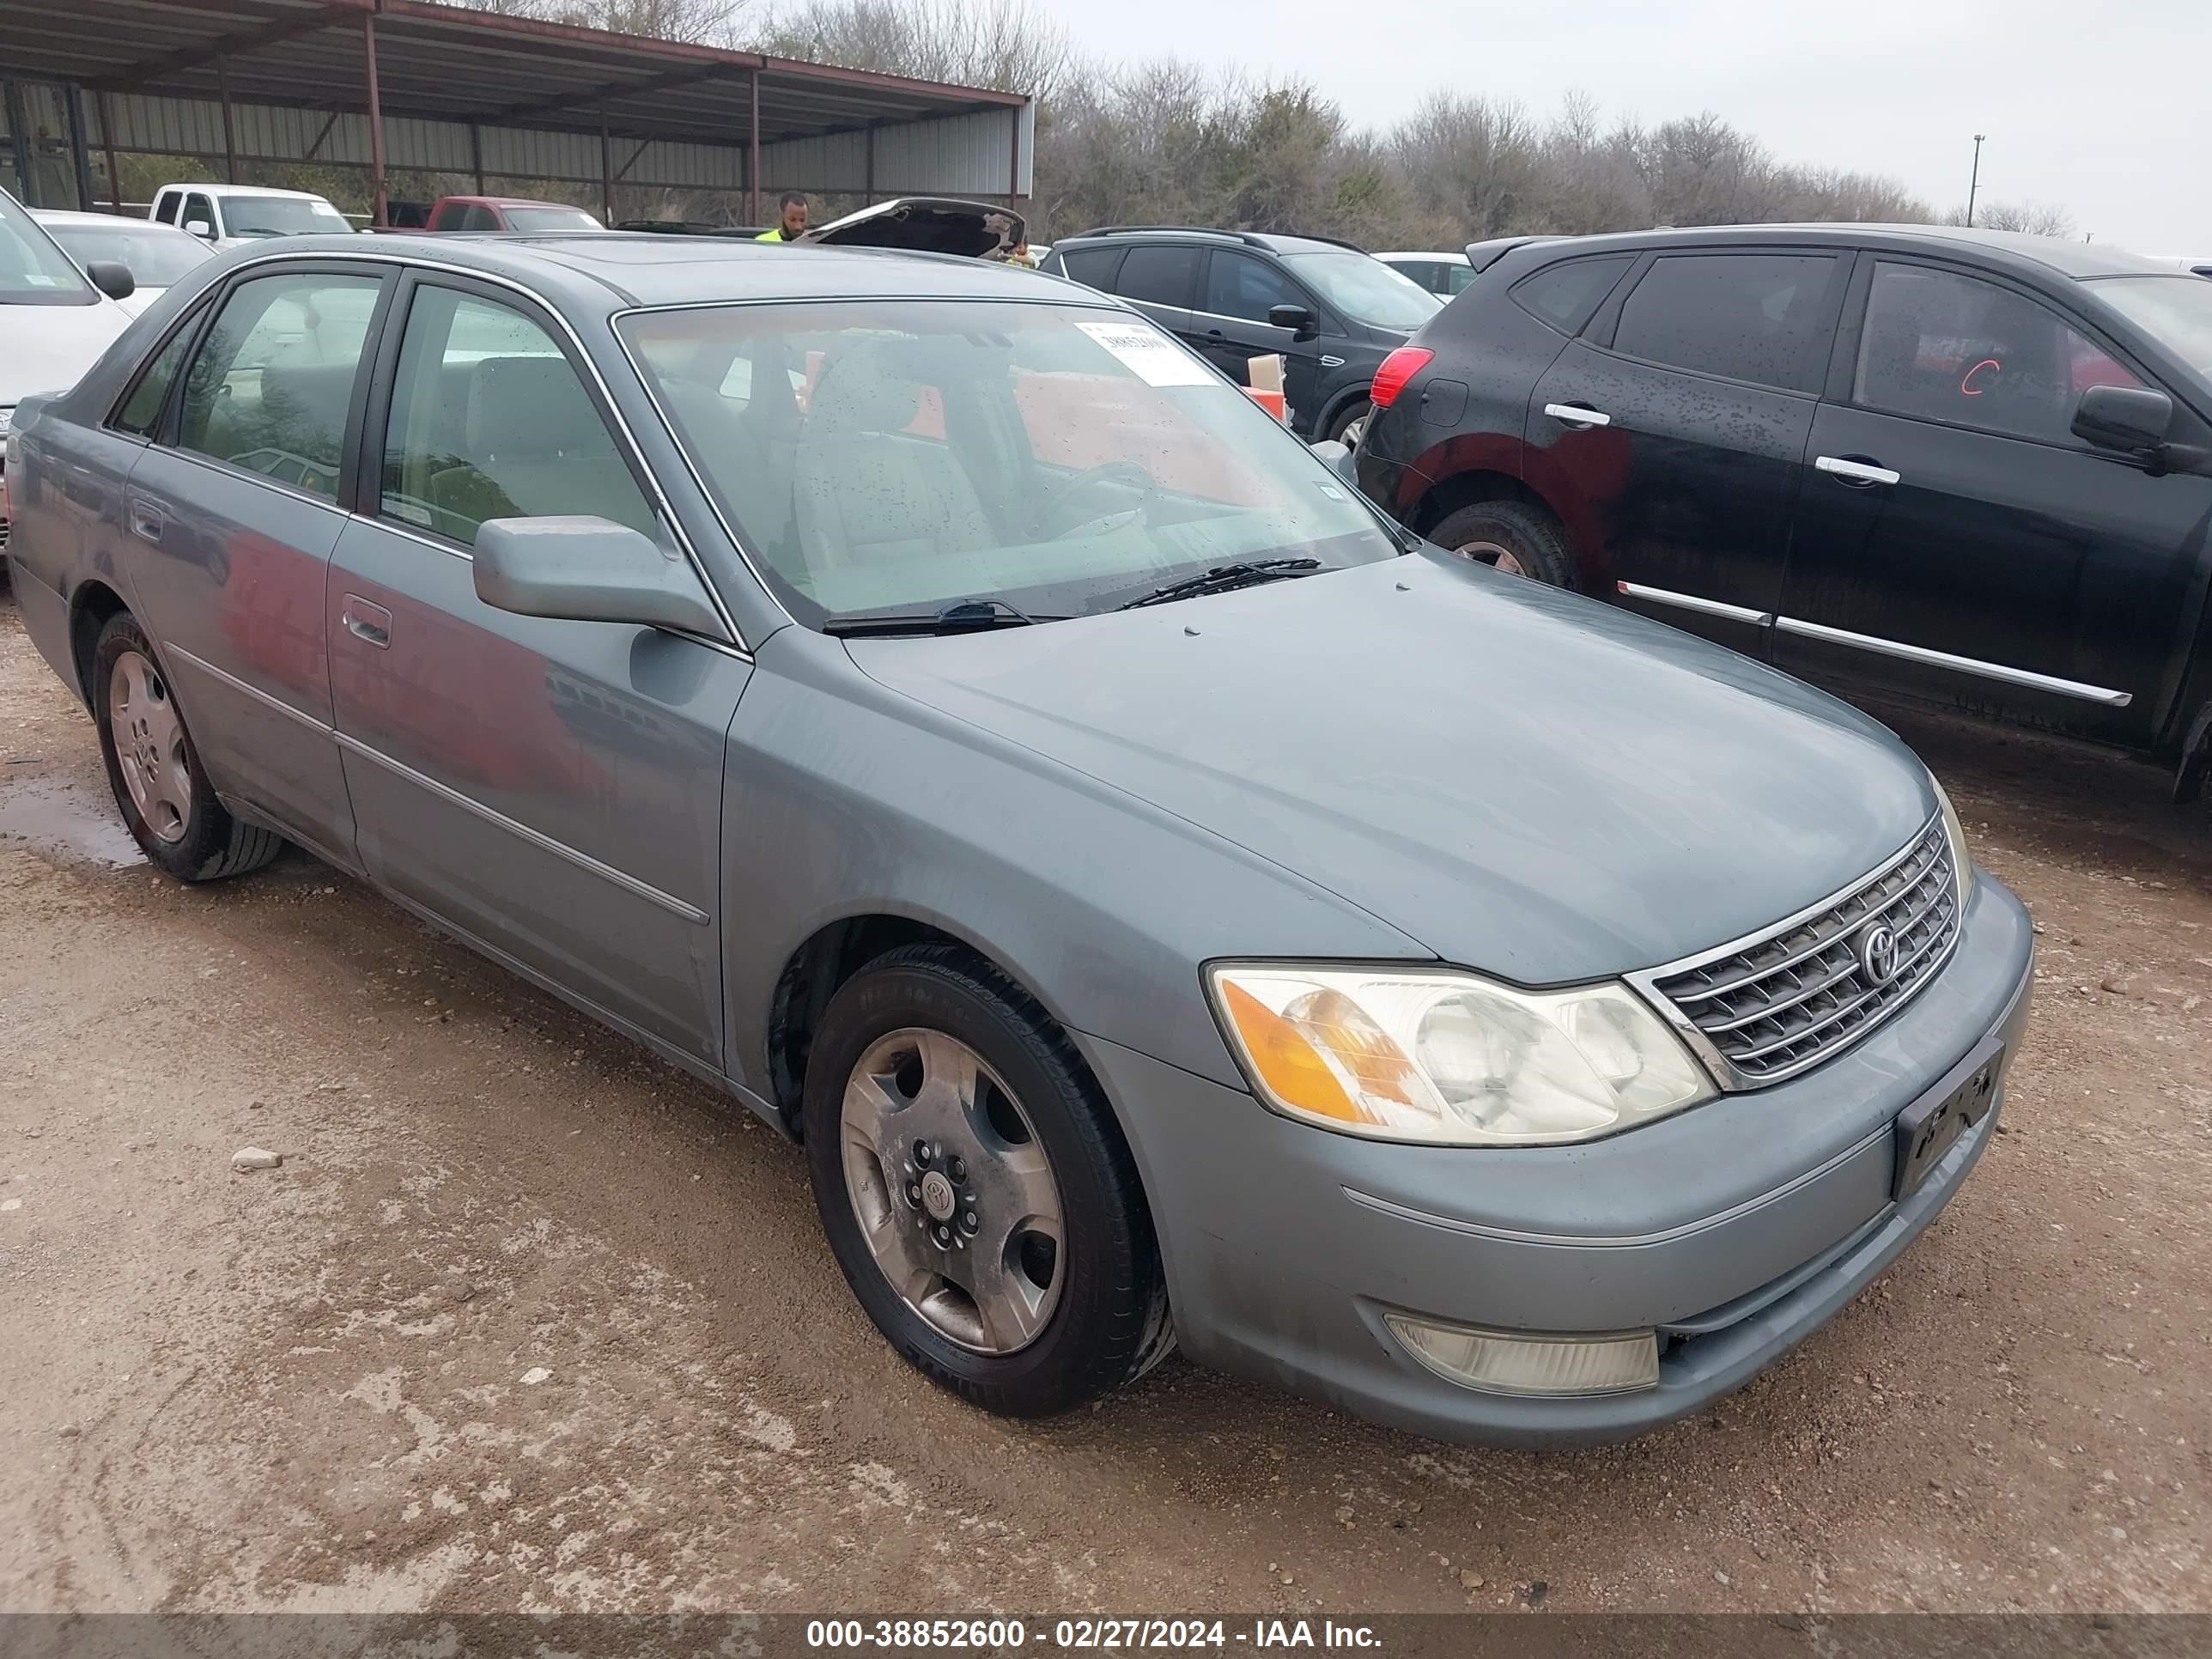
[(108, 139), (606, 171), (80, 146), (752, 155), (1974, 183), (375, 117), (1014, 158), (869, 189), (229, 132)]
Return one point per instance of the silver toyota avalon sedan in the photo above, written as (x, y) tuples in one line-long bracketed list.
[(928, 703)]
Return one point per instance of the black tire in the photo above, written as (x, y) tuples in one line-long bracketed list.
[(1527, 536), (1110, 1321), (209, 844), (1357, 410)]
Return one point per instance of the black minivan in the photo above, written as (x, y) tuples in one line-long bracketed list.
[(1962, 465), (1332, 312)]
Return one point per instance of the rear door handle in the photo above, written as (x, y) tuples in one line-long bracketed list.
[(146, 521), (1851, 469), (1578, 414), (370, 624)]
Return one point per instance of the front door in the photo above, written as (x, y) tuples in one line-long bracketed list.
[(1957, 540), (1231, 328), (1671, 437), (235, 509), (550, 788)]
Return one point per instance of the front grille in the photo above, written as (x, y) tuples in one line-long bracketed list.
[(1801, 993)]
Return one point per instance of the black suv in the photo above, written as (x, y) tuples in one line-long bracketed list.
[(1958, 464), (1332, 312)]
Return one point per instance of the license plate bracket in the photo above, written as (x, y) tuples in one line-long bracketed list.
[(1928, 1129)]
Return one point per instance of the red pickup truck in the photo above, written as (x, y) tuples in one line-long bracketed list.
[(487, 213)]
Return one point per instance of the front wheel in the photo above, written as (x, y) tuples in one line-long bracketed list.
[(167, 803), (975, 1189)]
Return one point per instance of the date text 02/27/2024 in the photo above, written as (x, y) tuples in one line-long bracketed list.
[(1083, 1635)]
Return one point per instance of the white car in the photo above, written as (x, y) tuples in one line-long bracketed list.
[(156, 254), (225, 216), (1442, 274), (55, 320)]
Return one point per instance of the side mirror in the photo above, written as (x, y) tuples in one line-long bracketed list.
[(2135, 419), (201, 228), (585, 569), (111, 277), (1339, 459), (1296, 319)]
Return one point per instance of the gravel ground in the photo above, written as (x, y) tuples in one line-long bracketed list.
[(526, 1320)]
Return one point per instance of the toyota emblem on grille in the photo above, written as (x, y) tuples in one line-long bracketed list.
[(1878, 954)]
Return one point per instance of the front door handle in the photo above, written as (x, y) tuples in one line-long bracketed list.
[(1855, 470), (1581, 417), (147, 522), (370, 624)]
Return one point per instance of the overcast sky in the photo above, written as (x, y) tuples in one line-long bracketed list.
[(2102, 109)]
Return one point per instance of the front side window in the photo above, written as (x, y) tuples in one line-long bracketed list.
[(1237, 285), (1366, 289), (281, 215), (2175, 311), (142, 409), (1938, 345), (490, 421), (1755, 317), (200, 210), (1159, 276), (894, 457), (157, 258), (34, 271), (272, 383)]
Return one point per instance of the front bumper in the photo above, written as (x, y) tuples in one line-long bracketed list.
[(1736, 1229)]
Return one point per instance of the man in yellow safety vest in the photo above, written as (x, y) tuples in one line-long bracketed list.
[(793, 212)]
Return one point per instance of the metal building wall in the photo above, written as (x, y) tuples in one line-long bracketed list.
[(955, 155)]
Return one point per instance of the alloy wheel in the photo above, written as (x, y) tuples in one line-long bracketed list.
[(149, 745)]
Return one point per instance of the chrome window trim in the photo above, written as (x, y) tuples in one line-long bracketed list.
[(656, 496), (1644, 981), (2028, 677)]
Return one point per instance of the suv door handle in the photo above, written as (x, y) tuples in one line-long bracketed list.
[(371, 623), (1579, 416), (1855, 470), (146, 521)]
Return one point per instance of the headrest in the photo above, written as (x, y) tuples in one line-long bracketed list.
[(532, 406)]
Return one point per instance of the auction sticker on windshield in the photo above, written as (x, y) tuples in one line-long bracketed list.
[(1151, 357)]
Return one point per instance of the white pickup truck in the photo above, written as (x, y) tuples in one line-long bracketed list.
[(228, 215)]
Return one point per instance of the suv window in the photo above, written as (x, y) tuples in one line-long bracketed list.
[(1163, 275), (1238, 285), (141, 411), (1092, 266), (202, 210), (1941, 346), (1565, 294), (1751, 317), (273, 381), (165, 210), (490, 421)]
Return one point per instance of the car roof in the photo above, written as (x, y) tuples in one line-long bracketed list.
[(2077, 260), (206, 189), (1441, 257), (513, 201), (609, 270), (1279, 241), (69, 218)]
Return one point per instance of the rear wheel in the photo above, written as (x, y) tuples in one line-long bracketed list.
[(975, 1189), (1514, 537), (1351, 422), (167, 803)]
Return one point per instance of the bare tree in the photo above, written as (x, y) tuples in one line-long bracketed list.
[(2031, 218), (1004, 44)]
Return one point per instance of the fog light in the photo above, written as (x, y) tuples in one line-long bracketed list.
[(1496, 1362)]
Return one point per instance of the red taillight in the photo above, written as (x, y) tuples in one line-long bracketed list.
[(1400, 367)]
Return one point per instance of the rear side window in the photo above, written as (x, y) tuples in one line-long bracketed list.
[(165, 210), (1565, 294), (1755, 317), (1163, 275), (272, 383), (1093, 266), (142, 409)]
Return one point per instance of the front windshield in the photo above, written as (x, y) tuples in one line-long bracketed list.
[(157, 256), (895, 457), (281, 215), (550, 218), (1366, 289), (32, 270), (2176, 311)]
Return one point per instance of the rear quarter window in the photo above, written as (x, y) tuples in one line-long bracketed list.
[(1564, 295), (1093, 266)]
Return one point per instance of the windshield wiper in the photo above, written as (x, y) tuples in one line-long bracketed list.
[(967, 616), (1248, 573)]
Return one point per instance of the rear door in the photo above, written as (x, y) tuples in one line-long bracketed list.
[(1955, 539), (1161, 280), (1231, 325), (1671, 437)]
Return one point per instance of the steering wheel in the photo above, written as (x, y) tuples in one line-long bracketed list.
[(1126, 472)]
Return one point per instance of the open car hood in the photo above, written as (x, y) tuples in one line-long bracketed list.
[(927, 224)]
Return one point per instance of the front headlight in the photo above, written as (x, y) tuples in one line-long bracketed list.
[(1962, 861), (1448, 1058)]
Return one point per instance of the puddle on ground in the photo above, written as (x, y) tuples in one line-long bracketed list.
[(64, 822)]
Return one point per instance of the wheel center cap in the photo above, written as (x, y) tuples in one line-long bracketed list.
[(937, 1195)]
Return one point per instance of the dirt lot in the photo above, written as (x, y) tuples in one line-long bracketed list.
[(526, 1320)]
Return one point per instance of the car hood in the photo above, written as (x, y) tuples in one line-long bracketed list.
[(46, 347), (1526, 782), (927, 224)]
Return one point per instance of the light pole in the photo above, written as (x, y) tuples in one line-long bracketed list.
[(1974, 184)]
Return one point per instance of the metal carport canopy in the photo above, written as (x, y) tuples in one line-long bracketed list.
[(442, 63)]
